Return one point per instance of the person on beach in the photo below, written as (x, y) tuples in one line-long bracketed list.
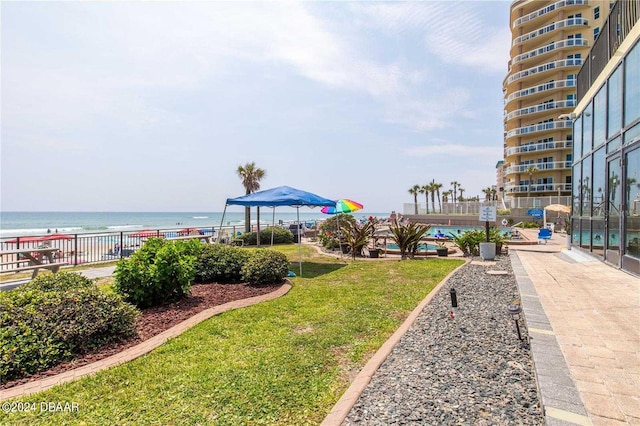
[(116, 249)]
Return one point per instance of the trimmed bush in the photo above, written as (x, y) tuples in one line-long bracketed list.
[(160, 272), (221, 264), (55, 317), (265, 267), (280, 236)]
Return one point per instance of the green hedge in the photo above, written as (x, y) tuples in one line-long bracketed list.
[(55, 317), (280, 236), (221, 264), (265, 267), (160, 272)]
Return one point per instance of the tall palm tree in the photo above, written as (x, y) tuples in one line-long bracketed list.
[(487, 193), (415, 190), (530, 171), (455, 192), (432, 190), (251, 176), (461, 191), (424, 189), (438, 186)]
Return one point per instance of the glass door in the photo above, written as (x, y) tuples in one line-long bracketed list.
[(613, 210)]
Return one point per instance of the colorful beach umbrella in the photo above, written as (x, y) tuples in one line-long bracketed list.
[(57, 236), (343, 205)]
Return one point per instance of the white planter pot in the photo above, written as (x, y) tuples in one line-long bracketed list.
[(488, 251), (568, 241)]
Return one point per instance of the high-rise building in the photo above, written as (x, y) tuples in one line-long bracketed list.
[(550, 40), (606, 120)]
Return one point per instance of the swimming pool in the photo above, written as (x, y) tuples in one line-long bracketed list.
[(423, 247)]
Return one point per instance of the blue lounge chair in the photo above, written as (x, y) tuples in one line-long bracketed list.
[(543, 235)]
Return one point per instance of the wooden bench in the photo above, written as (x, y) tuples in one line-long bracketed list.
[(54, 267)]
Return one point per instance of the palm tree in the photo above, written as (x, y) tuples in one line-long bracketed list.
[(251, 176), (487, 193), (461, 190), (530, 171), (414, 190), (432, 189), (455, 193), (438, 186), (424, 189)]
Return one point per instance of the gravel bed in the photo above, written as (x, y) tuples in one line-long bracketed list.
[(471, 370)]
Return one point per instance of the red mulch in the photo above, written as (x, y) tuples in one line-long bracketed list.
[(155, 320)]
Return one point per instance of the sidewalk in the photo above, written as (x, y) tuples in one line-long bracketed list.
[(583, 318), (99, 272)]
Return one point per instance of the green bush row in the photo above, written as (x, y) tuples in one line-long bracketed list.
[(55, 317), (280, 236)]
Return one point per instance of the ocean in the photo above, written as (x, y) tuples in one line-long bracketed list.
[(14, 224)]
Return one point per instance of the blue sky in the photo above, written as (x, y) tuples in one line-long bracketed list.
[(152, 106)]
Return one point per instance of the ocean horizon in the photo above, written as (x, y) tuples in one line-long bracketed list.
[(14, 223)]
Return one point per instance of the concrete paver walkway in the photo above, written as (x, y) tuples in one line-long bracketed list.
[(593, 313)]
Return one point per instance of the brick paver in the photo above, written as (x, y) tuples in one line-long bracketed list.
[(594, 313)]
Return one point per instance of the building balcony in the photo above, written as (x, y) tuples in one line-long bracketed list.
[(548, 9), (522, 168), (549, 48), (542, 127), (537, 188), (570, 103), (541, 88), (538, 147), (549, 66), (571, 22)]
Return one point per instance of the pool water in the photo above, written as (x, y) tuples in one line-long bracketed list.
[(429, 247), (450, 229)]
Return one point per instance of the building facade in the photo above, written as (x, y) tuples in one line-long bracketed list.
[(606, 152), (550, 40)]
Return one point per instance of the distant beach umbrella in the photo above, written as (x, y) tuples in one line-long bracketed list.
[(189, 231), (343, 205), (57, 236), (147, 233), (26, 240)]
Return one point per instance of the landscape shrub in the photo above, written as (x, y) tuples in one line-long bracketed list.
[(160, 272), (55, 317), (469, 241), (221, 264), (280, 236), (529, 225), (329, 229), (265, 267)]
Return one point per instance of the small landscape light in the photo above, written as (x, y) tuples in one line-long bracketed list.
[(454, 303), (515, 311)]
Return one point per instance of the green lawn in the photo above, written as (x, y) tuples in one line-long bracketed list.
[(285, 361)]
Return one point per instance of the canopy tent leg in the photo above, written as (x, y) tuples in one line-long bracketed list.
[(221, 222), (273, 223), (299, 240)]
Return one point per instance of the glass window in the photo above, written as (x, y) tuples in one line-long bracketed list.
[(615, 196), (599, 117), (614, 103), (599, 202), (576, 190), (586, 129), (632, 135), (632, 86), (597, 233), (632, 195), (596, 32), (586, 186), (596, 12), (577, 138), (613, 145)]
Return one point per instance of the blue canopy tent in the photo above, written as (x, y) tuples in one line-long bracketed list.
[(280, 196)]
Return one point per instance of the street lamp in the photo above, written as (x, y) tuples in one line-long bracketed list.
[(515, 311)]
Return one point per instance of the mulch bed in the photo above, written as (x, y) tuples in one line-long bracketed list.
[(155, 320)]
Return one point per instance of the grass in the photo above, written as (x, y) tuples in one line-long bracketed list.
[(285, 361)]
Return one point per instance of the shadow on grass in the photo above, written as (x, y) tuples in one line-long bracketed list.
[(313, 270)]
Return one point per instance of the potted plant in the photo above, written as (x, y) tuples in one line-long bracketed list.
[(441, 249)]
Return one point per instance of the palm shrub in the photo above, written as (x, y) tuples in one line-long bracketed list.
[(469, 241), (160, 272), (265, 267), (357, 236), (55, 317), (408, 236), (221, 264)]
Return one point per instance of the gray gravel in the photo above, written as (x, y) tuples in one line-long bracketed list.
[(471, 370)]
